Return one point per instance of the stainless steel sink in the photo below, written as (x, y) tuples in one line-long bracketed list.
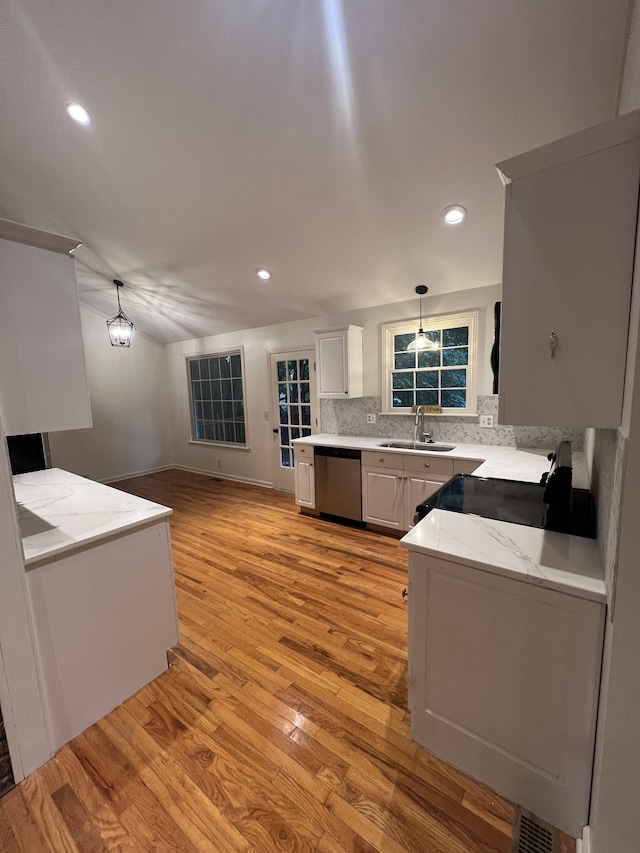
[(424, 446)]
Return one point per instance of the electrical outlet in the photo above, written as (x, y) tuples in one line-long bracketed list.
[(486, 421), (219, 463), (371, 419)]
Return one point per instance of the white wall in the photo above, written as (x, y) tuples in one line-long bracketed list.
[(255, 464), (131, 423), (615, 810)]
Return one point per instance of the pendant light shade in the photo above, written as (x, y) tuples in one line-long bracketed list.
[(421, 341), (120, 327)]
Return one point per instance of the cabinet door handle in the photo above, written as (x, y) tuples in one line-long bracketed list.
[(381, 459), (553, 343), (426, 465)]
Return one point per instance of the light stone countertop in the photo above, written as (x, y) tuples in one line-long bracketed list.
[(60, 512), (506, 463), (558, 561)]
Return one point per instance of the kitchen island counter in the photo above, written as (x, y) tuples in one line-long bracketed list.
[(101, 591), (59, 512)]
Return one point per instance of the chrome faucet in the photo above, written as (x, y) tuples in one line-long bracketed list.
[(422, 433)]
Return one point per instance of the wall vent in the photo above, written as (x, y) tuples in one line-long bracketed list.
[(533, 835)]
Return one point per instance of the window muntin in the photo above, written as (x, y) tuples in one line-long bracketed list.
[(445, 376), (216, 391)]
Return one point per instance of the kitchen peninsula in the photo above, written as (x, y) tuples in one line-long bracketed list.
[(101, 590), (506, 626)]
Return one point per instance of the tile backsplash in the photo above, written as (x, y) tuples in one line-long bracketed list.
[(609, 456), (349, 417)]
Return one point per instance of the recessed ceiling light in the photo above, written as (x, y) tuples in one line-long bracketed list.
[(78, 113), (454, 214), (264, 274)]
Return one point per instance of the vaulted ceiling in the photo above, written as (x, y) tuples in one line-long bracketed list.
[(318, 138)]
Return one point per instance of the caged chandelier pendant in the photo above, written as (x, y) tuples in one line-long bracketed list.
[(421, 341), (120, 327)]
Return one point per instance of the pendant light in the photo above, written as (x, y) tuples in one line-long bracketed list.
[(120, 327), (421, 341)]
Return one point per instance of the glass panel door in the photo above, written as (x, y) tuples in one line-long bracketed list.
[(293, 378)]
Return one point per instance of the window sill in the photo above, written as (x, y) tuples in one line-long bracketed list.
[(226, 444), (428, 416)]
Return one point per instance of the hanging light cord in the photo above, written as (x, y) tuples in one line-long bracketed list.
[(420, 292), (120, 313), (420, 342)]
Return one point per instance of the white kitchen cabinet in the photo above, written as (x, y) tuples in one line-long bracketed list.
[(43, 382), (305, 489), (104, 618), (339, 362), (394, 484), (383, 496), (417, 488), (503, 683), (569, 239), (99, 577)]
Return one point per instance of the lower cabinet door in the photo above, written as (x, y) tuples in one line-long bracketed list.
[(418, 488), (503, 683), (382, 497), (305, 483)]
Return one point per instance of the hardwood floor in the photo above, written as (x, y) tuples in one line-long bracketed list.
[(282, 723)]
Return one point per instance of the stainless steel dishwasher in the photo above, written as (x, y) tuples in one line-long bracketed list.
[(338, 482)]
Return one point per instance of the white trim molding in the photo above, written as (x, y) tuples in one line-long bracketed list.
[(583, 845)]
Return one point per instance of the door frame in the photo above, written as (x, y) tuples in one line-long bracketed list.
[(280, 482)]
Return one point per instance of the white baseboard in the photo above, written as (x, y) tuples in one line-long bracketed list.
[(133, 474), (583, 845), (218, 475)]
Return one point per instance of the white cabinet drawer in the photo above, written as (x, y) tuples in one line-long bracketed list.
[(381, 459), (428, 464), (303, 452)]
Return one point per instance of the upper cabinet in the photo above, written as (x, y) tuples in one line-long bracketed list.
[(569, 239), (339, 362), (43, 382)]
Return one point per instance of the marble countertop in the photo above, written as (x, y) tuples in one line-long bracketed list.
[(60, 512), (507, 463), (570, 564)]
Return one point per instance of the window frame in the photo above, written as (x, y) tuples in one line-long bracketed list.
[(216, 442), (444, 321)]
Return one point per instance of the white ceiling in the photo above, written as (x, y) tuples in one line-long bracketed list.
[(318, 138)]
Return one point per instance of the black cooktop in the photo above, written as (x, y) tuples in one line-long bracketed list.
[(504, 500), (514, 501)]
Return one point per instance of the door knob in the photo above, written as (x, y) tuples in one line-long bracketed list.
[(274, 430)]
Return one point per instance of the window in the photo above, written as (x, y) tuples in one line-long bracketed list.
[(217, 398), (444, 376)]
